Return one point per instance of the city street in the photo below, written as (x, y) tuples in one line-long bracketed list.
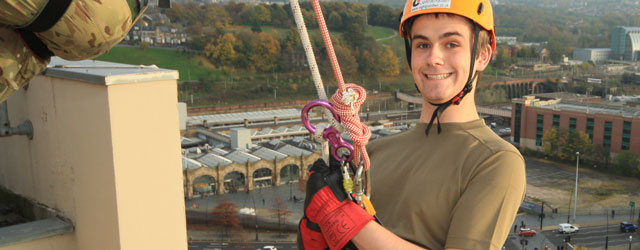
[(594, 237)]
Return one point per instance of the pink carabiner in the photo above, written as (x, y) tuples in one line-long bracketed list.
[(330, 134)]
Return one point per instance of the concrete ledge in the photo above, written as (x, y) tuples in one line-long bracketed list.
[(33, 231)]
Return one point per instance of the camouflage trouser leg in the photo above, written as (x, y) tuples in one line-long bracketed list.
[(18, 13), (18, 65), (87, 29)]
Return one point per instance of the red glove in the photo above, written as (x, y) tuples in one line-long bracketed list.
[(309, 236), (327, 204)]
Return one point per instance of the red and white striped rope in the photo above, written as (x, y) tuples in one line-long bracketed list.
[(349, 112)]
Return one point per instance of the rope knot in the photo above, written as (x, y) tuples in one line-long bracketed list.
[(349, 97), (347, 104)]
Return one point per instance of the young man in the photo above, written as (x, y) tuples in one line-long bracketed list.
[(457, 186)]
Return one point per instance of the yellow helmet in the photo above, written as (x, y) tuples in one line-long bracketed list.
[(478, 11)]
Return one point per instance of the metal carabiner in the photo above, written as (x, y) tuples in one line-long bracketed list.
[(331, 134), (359, 186)]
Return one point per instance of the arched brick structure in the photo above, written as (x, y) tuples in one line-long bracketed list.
[(219, 172)]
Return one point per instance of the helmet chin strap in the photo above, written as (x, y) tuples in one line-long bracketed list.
[(467, 88)]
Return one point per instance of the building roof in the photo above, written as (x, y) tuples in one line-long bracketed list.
[(220, 151), (213, 160), (594, 108), (268, 154), (190, 164), (239, 156), (107, 73), (293, 151), (256, 116), (564, 96)]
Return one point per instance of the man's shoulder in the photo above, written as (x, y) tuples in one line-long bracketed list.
[(382, 142), (490, 141)]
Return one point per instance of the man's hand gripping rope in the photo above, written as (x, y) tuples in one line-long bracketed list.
[(330, 217)]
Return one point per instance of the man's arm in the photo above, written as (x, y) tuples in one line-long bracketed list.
[(374, 236)]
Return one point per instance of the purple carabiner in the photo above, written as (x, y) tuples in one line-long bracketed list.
[(331, 134)]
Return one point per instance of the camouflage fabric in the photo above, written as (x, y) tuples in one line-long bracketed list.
[(18, 13), (87, 29), (18, 65)]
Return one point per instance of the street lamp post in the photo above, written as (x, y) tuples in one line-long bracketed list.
[(290, 188), (255, 214), (575, 198), (630, 238), (606, 239)]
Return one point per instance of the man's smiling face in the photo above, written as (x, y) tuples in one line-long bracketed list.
[(440, 55)]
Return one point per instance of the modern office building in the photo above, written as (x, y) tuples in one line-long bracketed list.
[(596, 55), (625, 43), (609, 125)]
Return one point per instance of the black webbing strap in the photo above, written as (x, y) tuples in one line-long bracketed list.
[(35, 44), (49, 16)]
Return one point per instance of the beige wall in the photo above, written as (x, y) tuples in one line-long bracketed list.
[(107, 157)]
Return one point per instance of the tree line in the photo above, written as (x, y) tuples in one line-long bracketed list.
[(562, 145), (220, 32)]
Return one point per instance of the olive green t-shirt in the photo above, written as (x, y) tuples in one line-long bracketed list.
[(457, 189)]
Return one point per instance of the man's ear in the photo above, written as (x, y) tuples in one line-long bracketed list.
[(483, 58)]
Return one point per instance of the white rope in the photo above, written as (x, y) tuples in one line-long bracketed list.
[(315, 73), (311, 58)]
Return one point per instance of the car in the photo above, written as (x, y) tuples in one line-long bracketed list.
[(628, 227), (567, 228), (269, 248), (527, 232)]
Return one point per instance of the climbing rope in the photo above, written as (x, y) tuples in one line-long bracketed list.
[(349, 97), (317, 80)]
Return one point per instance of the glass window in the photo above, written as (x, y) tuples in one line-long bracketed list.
[(590, 128), (539, 129), (626, 135), (607, 135), (516, 124)]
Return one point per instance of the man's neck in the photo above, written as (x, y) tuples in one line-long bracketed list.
[(464, 112)]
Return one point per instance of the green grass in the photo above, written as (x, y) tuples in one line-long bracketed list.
[(379, 32), (189, 68)]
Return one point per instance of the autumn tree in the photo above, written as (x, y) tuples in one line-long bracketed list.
[(503, 59), (334, 21), (280, 211), (264, 52), (226, 214), (388, 62), (216, 16), (260, 15), (563, 143), (224, 53), (279, 16), (576, 141), (292, 52), (550, 143), (627, 163), (488, 95)]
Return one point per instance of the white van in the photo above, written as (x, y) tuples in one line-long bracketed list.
[(567, 228)]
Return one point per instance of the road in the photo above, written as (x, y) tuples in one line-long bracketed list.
[(594, 237), (221, 246)]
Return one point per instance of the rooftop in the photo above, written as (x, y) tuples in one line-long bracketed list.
[(107, 73), (239, 117), (594, 108)]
